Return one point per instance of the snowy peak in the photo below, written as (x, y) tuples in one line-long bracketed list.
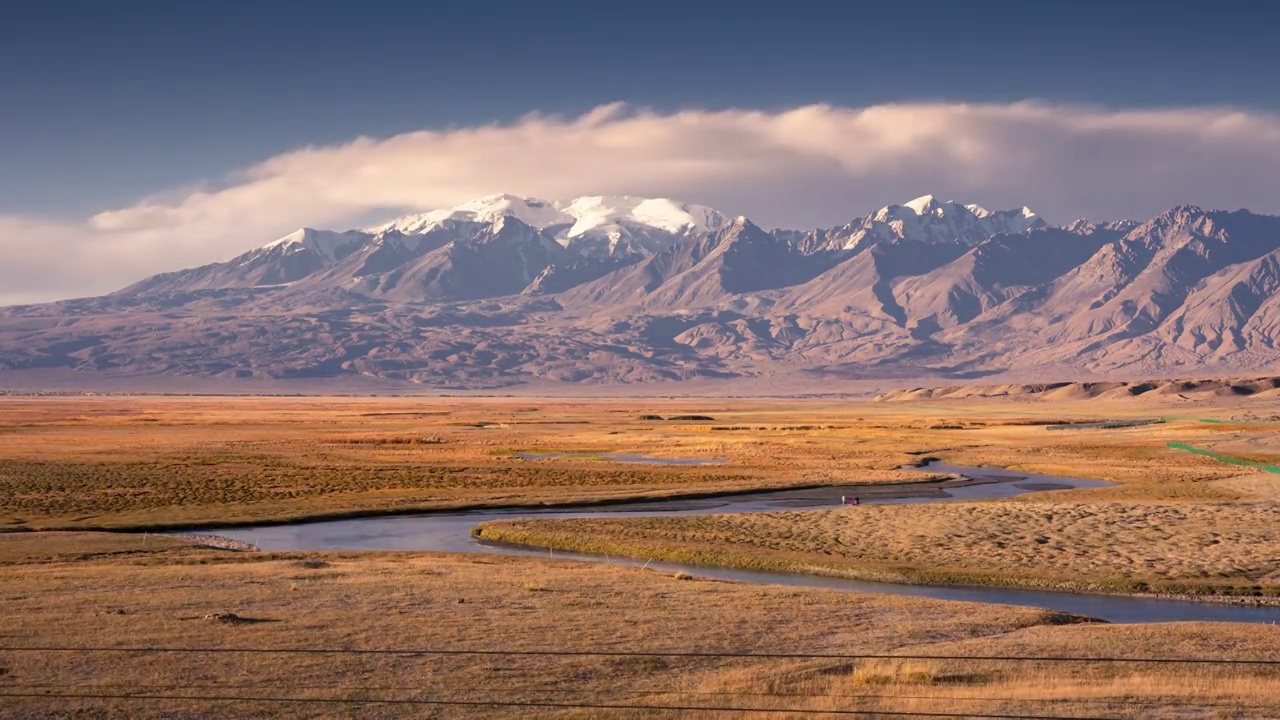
[(597, 212), (620, 226), (537, 214), (597, 225), (926, 219), (979, 211), (923, 205), (329, 245), (1016, 220), (1085, 226)]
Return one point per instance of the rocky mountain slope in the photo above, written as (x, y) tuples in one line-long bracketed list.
[(503, 291)]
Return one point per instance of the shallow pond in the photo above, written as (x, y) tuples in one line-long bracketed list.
[(616, 457)]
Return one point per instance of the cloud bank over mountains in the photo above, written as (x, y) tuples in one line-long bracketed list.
[(802, 167)]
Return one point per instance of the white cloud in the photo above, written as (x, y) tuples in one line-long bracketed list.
[(814, 165)]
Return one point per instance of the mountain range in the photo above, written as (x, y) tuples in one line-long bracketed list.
[(506, 291)]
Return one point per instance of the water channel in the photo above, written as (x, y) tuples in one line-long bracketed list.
[(451, 532)]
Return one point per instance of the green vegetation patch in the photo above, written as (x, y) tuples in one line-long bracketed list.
[(1228, 459)]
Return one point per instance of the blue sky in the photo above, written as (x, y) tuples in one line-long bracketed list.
[(139, 136), (105, 102)]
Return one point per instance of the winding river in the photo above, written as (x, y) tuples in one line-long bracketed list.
[(451, 532)]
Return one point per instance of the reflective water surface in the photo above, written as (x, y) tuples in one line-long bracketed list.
[(618, 457), (451, 532)]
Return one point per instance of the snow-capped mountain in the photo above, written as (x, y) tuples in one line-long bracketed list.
[(419, 257), (504, 290), (927, 220), (463, 252), (597, 226), (327, 245)]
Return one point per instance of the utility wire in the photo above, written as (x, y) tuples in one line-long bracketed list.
[(547, 705), (623, 692), (642, 654)]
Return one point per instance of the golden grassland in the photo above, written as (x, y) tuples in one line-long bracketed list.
[(1226, 550), (91, 590), (109, 462), (137, 462), (1036, 689), (104, 590), (1177, 523)]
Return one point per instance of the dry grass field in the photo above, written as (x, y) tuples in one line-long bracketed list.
[(1036, 689), (162, 461), (93, 590), (1204, 550), (108, 462), (1176, 522)]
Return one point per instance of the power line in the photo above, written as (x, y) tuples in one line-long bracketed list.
[(642, 654), (153, 687), (547, 705)]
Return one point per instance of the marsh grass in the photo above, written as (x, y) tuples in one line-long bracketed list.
[(95, 590), (1093, 688), (113, 462), (136, 462), (175, 491), (1177, 523), (412, 440), (1227, 551)]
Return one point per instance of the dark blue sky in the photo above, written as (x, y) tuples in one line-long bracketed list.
[(101, 102)]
